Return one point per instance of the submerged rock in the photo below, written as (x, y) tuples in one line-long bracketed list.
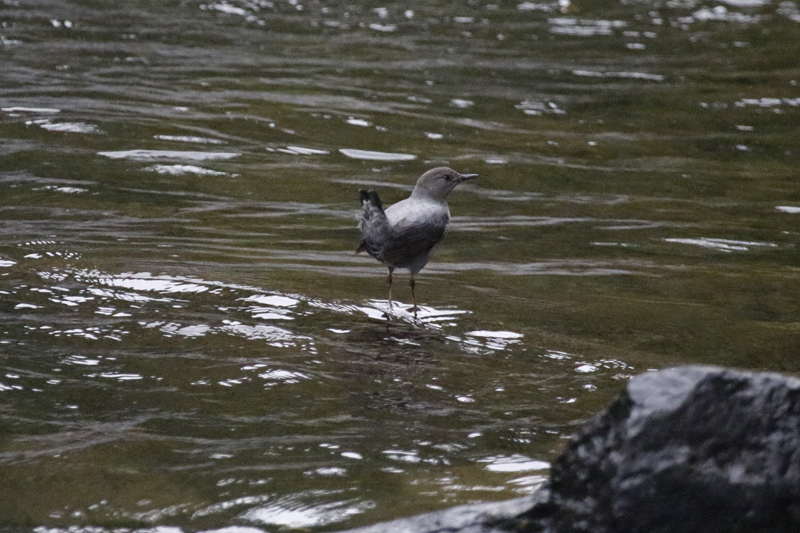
[(688, 449)]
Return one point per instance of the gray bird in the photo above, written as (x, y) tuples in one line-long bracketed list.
[(404, 235)]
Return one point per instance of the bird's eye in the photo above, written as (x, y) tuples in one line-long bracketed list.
[(448, 177)]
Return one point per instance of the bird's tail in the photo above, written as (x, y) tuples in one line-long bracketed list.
[(373, 223), (372, 198)]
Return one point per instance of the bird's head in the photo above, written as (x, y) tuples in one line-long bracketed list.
[(438, 182)]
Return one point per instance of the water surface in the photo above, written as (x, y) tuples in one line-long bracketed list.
[(188, 339)]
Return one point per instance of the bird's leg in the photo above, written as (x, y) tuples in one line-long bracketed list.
[(413, 284), (389, 281)]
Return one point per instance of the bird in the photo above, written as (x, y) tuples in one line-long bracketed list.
[(404, 234)]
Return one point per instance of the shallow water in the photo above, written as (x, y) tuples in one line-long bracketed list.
[(187, 337)]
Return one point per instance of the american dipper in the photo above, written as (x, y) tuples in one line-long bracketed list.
[(404, 235)]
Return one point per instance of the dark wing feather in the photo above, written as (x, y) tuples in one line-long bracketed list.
[(374, 226)]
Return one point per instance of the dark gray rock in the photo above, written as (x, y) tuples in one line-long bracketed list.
[(689, 449), (683, 450)]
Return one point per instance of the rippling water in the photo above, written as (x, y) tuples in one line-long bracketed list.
[(187, 337)]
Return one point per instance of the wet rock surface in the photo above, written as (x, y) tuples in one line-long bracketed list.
[(686, 449)]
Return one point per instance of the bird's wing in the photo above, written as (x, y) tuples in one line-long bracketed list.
[(413, 237), (373, 225)]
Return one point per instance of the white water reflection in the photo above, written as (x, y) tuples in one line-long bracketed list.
[(584, 27), (403, 456), (189, 139), (513, 463), (767, 102), (724, 245), (461, 103), (283, 376), (230, 504), (539, 108), (301, 150), (358, 122), (292, 512), (171, 329), (273, 300), (34, 110), (789, 10), (226, 8), (64, 127), (180, 170), (142, 302), (156, 155), (535, 6), (65, 190), (528, 484), (120, 376), (370, 155), (228, 529), (611, 74), (273, 307), (720, 14), (352, 455), (274, 336), (144, 281), (497, 340), (80, 360)]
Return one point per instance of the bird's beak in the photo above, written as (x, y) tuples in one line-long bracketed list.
[(465, 177)]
